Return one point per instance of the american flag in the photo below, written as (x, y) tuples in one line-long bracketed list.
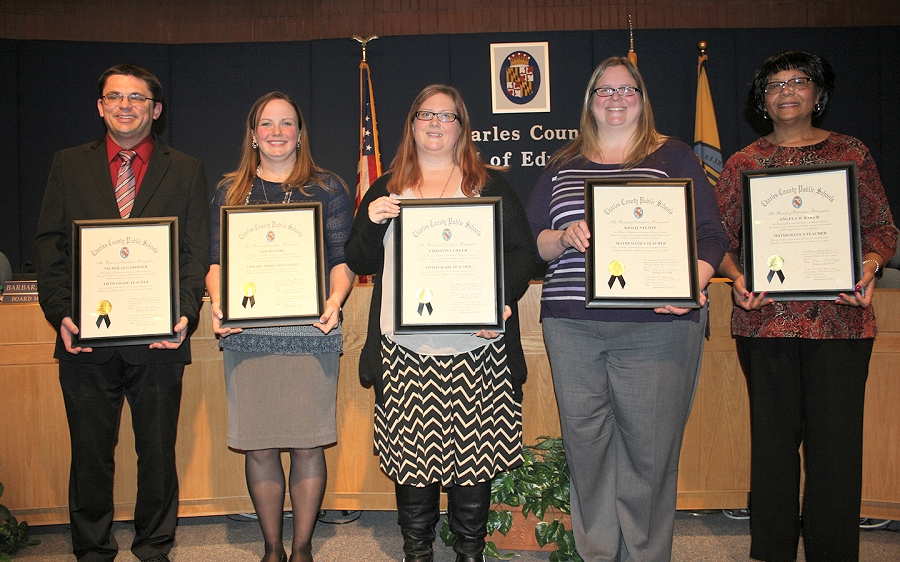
[(369, 155)]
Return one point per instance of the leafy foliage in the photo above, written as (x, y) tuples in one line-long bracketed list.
[(540, 485), (13, 535)]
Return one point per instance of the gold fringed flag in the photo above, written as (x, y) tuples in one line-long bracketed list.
[(706, 133), (369, 154)]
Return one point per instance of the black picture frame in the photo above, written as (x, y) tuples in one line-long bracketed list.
[(663, 259), (795, 244), (115, 266), (470, 295), (272, 257)]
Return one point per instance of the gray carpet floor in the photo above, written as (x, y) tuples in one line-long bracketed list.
[(375, 537)]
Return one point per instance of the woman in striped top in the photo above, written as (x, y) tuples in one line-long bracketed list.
[(624, 377)]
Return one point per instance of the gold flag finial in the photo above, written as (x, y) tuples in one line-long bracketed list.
[(702, 46), (632, 56), (364, 42)]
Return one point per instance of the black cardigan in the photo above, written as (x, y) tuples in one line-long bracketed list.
[(364, 253)]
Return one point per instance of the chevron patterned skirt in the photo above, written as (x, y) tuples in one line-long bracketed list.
[(447, 418)]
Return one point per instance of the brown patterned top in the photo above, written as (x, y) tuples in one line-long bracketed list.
[(809, 319)]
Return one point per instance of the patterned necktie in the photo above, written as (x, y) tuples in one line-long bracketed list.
[(125, 184)]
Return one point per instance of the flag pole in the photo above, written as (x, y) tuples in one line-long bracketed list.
[(632, 56)]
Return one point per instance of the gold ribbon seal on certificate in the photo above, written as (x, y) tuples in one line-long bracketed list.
[(248, 289), (425, 297), (103, 309), (616, 271), (775, 263)]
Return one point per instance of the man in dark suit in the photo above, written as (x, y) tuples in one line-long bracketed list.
[(156, 181)]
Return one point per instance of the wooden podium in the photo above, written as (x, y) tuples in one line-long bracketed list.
[(715, 460)]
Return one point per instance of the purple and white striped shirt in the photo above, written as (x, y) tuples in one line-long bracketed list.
[(558, 200)]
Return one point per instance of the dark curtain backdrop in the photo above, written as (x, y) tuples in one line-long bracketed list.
[(49, 93)]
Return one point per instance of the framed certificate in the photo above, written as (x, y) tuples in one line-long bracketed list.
[(125, 288), (448, 265), (272, 265), (643, 251), (801, 237)]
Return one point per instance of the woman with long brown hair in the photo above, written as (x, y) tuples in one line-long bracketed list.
[(282, 381)]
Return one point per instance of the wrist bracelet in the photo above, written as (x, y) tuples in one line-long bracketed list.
[(877, 265)]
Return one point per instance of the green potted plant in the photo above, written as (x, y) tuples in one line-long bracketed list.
[(539, 486), (13, 535)]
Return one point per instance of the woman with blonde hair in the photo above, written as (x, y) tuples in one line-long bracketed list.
[(624, 377)]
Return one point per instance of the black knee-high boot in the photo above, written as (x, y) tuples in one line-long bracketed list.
[(418, 510), (468, 514)]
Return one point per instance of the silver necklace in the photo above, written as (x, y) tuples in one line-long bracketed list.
[(419, 186), (287, 194)]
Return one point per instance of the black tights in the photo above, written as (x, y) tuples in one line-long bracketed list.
[(265, 481)]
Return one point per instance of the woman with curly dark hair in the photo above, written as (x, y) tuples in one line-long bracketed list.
[(806, 362)]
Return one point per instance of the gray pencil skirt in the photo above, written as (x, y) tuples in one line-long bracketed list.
[(281, 401)]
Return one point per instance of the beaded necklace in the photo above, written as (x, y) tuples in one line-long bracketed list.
[(287, 195)]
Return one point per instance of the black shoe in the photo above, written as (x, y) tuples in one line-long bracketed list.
[(157, 558), (282, 558)]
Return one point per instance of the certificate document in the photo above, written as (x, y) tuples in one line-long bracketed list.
[(801, 231), (449, 265), (272, 265), (125, 281), (643, 249)]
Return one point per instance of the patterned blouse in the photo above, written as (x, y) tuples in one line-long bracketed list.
[(809, 319)]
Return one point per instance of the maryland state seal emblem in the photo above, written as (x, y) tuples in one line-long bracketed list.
[(521, 76)]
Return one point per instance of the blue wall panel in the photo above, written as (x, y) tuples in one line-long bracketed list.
[(49, 102)]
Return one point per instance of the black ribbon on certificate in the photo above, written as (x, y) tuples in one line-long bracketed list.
[(616, 271), (424, 297), (103, 309), (775, 263), (249, 290)]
